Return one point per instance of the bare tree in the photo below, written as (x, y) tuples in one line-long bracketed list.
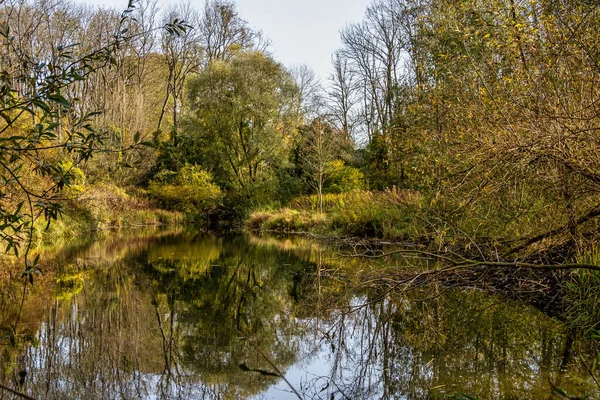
[(310, 98), (320, 148), (183, 55), (222, 31), (342, 95)]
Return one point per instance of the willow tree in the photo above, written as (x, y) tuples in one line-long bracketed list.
[(244, 111)]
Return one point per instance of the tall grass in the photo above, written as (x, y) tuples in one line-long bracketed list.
[(389, 214), (338, 201), (582, 295)]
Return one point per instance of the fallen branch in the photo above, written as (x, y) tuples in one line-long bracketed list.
[(468, 263), (591, 215)]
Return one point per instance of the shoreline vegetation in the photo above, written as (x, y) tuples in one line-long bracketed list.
[(105, 208)]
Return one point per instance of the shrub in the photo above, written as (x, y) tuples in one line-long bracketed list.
[(73, 177), (343, 178), (189, 190)]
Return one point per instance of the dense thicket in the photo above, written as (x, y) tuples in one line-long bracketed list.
[(491, 107)]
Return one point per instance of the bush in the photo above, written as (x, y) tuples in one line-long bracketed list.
[(73, 177), (189, 190), (343, 178), (389, 214)]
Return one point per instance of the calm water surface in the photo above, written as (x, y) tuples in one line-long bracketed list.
[(188, 316)]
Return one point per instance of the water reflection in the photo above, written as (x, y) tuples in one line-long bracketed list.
[(202, 317)]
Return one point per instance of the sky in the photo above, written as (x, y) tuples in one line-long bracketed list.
[(301, 31)]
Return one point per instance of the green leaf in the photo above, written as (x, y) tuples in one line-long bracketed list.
[(59, 99), (41, 104)]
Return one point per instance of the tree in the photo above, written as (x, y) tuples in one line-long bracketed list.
[(223, 33), (42, 125), (342, 95), (320, 147), (243, 110), (310, 99), (182, 53)]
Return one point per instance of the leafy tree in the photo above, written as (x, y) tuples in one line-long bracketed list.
[(243, 113)]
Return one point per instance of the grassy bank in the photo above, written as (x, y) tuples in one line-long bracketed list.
[(391, 214), (105, 207)]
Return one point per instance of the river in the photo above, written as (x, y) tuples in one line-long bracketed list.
[(182, 315)]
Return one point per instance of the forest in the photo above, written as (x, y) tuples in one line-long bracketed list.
[(467, 130)]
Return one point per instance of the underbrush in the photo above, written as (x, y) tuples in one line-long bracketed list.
[(389, 214), (287, 220), (102, 207)]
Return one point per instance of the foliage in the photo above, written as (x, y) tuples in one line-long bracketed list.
[(343, 178), (286, 220), (74, 179), (190, 190), (332, 202), (42, 124), (390, 214), (241, 111)]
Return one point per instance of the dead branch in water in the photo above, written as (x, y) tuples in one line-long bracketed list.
[(462, 262)]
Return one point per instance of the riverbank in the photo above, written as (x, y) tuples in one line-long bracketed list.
[(373, 224), (391, 214), (105, 207)]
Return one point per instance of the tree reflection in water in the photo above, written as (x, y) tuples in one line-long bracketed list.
[(171, 317)]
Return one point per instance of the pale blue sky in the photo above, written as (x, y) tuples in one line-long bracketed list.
[(301, 31)]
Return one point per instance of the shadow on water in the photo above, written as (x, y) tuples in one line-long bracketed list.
[(186, 316)]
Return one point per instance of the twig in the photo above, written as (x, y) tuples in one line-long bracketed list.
[(590, 371), (467, 263), (19, 394)]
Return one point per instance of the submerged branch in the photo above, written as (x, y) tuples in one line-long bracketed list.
[(271, 363), (462, 262)]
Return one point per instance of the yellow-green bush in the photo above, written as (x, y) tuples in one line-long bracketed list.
[(343, 178), (74, 178), (189, 190)]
